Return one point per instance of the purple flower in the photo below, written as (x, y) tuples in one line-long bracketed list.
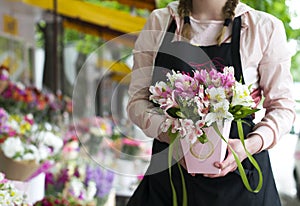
[(64, 176), (49, 179), (102, 178)]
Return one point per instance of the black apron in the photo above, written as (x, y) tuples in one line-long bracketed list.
[(155, 189)]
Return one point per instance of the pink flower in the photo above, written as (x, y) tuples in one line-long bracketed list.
[(169, 103), (130, 142), (160, 92), (186, 87)]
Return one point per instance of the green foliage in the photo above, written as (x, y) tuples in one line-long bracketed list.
[(162, 3), (295, 67)]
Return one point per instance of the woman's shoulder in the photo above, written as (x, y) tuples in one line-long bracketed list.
[(255, 18), (163, 14), (262, 19)]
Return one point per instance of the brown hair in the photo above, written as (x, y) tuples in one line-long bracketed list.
[(228, 12), (185, 8)]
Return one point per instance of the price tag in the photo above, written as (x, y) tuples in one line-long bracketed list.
[(10, 25)]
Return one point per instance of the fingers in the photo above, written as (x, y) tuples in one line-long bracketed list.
[(228, 165)]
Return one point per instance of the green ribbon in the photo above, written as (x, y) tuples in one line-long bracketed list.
[(237, 160), (241, 169), (173, 137)]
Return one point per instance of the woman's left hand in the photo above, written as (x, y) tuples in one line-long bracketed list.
[(229, 164)]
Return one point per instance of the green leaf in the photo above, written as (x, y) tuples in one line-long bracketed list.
[(173, 112), (203, 138)]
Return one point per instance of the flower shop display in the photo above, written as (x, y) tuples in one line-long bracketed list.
[(9, 195), (43, 105), (199, 109), (91, 132), (24, 145), (30, 127), (77, 184)]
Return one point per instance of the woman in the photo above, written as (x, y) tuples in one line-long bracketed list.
[(230, 33)]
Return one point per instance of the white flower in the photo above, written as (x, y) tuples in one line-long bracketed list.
[(219, 113), (12, 146), (174, 76), (76, 186), (44, 152), (32, 153), (216, 94), (51, 140), (91, 191), (241, 96), (10, 196), (187, 127), (170, 122), (13, 124), (228, 70)]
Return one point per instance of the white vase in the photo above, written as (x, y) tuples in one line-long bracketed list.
[(34, 189)]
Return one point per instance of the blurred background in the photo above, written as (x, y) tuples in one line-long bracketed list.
[(64, 75)]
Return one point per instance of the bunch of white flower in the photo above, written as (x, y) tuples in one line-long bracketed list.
[(9, 195)]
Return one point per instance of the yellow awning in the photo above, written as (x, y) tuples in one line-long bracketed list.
[(119, 70), (105, 17), (143, 4)]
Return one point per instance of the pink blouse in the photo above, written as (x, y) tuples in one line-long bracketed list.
[(265, 60)]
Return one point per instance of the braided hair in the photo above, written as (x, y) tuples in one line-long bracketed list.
[(185, 8), (228, 12)]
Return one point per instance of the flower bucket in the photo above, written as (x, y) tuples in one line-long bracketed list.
[(17, 170), (200, 158)]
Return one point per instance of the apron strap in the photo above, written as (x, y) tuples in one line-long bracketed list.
[(235, 49), (235, 45), (169, 35)]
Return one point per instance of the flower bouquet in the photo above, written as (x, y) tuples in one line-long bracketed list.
[(24, 145), (9, 195), (199, 109)]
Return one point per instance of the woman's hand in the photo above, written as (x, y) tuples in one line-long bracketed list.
[(253, 145)]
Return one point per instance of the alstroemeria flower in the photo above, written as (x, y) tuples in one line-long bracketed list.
[(241, 96), (219, 113), (169, 103), (186, 87), (187, 127), (160, 90), (216, 94)]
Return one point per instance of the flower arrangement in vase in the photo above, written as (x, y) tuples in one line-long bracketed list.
[(25, 145), (199, 108), (77, 185)]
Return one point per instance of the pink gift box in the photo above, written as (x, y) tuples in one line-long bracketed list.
[(200, 157)]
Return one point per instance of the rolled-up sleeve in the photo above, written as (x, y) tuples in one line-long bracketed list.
[(276, 83), (140, 110)]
